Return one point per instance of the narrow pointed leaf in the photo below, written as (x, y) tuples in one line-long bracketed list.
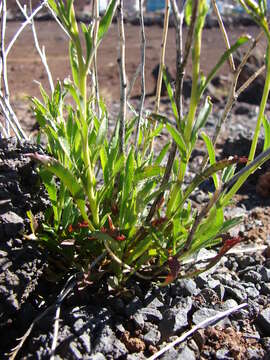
[(211, 153), (170, 93), (178, 138), (107, 19), (241, 41), (266, 126)]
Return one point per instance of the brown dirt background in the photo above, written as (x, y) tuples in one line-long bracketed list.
[(25, 67)]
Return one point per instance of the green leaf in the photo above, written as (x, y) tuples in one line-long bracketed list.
[(228, 173), (266, 126), (53, 6), (170, 93), (106, 19), (88, 41), (74, 63), (162, 154), (211, 153), (178, 138), (75, 94), (188, 12), (127, 184), (202, 117), (102, 131), (148, 172), (241, 41)]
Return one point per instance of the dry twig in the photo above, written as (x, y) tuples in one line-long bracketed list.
[(212, 320), (123, 78), (143, 45)]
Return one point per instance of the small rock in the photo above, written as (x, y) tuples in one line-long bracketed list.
[(265, 289), (263, 321), (204, 314), (252, 292), (186, 354), (220, 290), (133, 306), (184, 287), (150, 314), (223, 354), (265, 274), (107, 343), (238, 294), (97, 356), (244, 262), (175, 319), (242, 110), (11, 224), (229, 304), (254, 354), (75, 353), (266, 343), (252, 276), (138, 319), (152, 337)]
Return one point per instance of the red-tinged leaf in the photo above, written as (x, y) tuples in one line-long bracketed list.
[(228, 244), (111, 226), (169, 279), (83, 224)]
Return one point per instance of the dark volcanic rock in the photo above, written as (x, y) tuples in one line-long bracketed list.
[(263, 321)]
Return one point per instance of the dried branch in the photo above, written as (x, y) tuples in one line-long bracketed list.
[(11, 120), (56, 331), (202, 325), (179, 85), (23, 26), (162, 54), (143, 45), (234, 94), (95, 12), (40, 51), (224, 34), (123, 79)]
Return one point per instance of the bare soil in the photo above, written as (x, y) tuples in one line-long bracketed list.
[(25, 65)]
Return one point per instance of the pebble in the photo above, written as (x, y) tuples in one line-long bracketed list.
[(265, 289), (133, 306), (263, 321), (204, 314), (186, 354), (152, 337), (175, 319), (97, 356), (150, 314), (252, 276), (265, 274), (223, 354), (266, 343), (107, 343)]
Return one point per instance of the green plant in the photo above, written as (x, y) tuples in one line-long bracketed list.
[(101, 185)]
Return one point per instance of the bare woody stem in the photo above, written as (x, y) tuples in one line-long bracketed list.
[(123, 79), (143, 45), (233, 94), (179, 84), (224, 33), (94, 66), (162, 54)]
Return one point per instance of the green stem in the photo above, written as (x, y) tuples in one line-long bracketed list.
[(226, 199), (196, 53)]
